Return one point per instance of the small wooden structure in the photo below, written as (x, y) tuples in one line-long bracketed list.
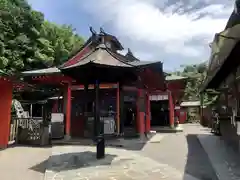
[(193, 110)]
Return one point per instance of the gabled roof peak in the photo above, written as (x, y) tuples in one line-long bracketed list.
[(130, 56), (102, 35), (129, 52), (101, 45)]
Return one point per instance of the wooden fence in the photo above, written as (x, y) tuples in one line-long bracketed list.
[(26, 131)]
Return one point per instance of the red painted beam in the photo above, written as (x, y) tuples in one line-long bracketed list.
[(52, 79), (91, 86)]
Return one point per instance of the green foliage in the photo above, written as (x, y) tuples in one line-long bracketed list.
[(29, 42), (196, 75), (61, 41)]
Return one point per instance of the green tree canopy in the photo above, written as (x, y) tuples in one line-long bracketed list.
[(61, 41), (27, 41), (196, 75)]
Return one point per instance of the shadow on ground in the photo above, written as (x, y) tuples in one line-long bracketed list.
[(40, 167), (198, 164), (87, 158), (71, 161), (127, 143)]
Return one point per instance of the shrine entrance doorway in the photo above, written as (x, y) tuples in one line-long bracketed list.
[(129, 117), (130, 114), (159, 104), (159, 113)]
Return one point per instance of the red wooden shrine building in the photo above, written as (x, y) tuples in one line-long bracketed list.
[(5, 110), (160, 95), (7, 85)]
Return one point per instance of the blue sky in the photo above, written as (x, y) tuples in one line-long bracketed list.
[(175, 32)]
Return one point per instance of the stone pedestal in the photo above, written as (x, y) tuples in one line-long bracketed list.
[(67, 137), (45, 137)]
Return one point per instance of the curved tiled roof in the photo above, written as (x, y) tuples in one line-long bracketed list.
[(173, 77), (46, 71), (222, 47)]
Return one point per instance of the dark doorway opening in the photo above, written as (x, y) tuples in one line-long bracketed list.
[(130, 114), (130, 117), (159, 113)]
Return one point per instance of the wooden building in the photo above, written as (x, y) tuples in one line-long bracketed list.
[(191, 110), (124, 106), (223, 76)]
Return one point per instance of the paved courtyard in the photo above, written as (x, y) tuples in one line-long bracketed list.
[(194, 154), (78, 162), (23, 163), (184, 152)]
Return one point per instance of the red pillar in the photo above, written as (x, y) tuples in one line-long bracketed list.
[(140, 112), (67, 106), (171, 109), (148, 113), (5, 112)]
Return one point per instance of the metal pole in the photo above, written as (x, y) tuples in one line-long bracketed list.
[(85, 113), (96, 111), (31, 108), (98, 126), (121, 111)]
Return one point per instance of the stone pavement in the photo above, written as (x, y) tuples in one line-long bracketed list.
[(194, 154), (225, 161), (184, 152), (23, 163), (79, 163)]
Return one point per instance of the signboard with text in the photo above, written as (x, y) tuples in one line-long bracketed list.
[(159, 97)]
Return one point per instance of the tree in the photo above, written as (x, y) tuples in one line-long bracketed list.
[(60, 40), (19, 27), (196, 75), (28, 42)]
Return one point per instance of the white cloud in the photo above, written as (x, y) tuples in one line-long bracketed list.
[(169, 30)]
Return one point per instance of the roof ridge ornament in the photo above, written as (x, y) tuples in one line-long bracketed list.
[(237, 6), (129, 52), (92, 31), (102, 31), (131, 56)]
